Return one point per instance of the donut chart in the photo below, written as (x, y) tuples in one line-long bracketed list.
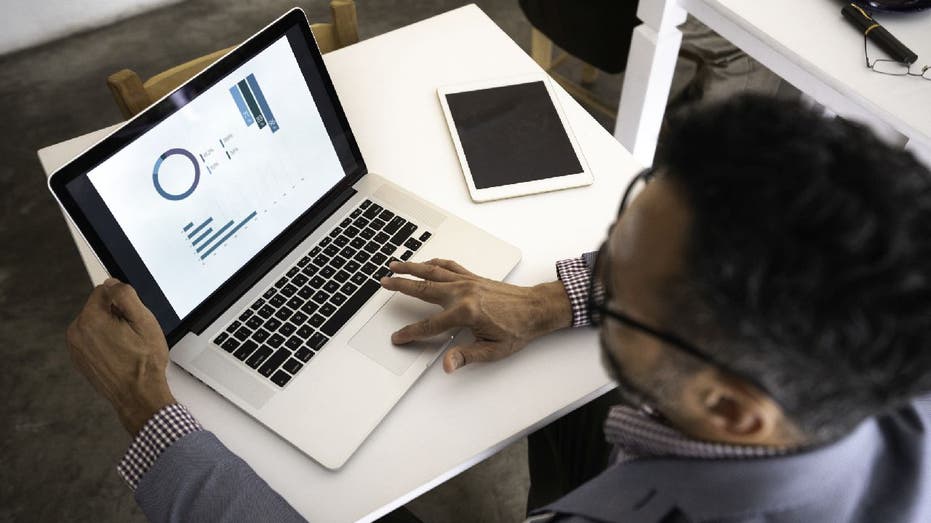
[(158, 163)]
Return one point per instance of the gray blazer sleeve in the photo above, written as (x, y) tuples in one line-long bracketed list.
[(198, 479)]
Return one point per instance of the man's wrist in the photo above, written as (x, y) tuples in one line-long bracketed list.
[(135, 413), (556, 310)]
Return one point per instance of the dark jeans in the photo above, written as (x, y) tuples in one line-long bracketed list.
[(568, 452)]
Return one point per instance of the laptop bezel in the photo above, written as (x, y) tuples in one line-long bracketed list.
[(242, 280)]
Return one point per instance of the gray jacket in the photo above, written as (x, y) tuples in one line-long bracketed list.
[(879, 473)]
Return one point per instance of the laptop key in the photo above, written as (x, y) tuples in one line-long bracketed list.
[(254, 322), (273, 362), (327, 271), (348, 288), (287, 328), (335, 232), (272, 324), (304, 354), (230, 345), (407, 255), (281, 283), (277, 300), (292, 366), (331, 286), (369, 268), (394, 225), (365, 204), (309, 308), (245, 350), (355, 213), (372, 211), (310, 270), (299, 280), (317, 281), (303, 261), (259, 356), (379, 259), (295, 302), (305, 292), (292, 271), (425, 236), (246, 314), (266, 311), (317, 341), (269, 293), (342, 241), (233, 326), (352, 305), (284, 313), (360, 223), (324, 242), (281, 378), (361, 257), (314, 252), (338, 262), (337, 299), (404, 233), (412, 244), (381, 273), (358, 278), (288, 290), (258, 303), (321, 260), (388, 248), (386, 215), (367, 233), (332, 250), (260, 335), (352, 231), (378, 224), (321, 297), (305, 332), (299, 318), (351, 266), (293, 343), (347, 252), (221, 338), (316, 320), (345, 222), (275, 340), (327, 309), (341, 275), (373, 246), (242, 334)]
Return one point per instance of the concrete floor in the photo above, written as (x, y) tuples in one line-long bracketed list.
[(59, 441)]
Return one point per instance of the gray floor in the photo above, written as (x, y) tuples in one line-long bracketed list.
[(58, 440)]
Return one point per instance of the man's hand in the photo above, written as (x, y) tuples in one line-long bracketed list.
[(118, 345), (503, 317)]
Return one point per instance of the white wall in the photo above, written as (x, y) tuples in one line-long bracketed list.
[(24, 23)]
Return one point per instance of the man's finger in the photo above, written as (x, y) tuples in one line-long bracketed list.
[(457, 357), (424, 271), (127, 304), (426, 290), (451, 266), (429, 327)]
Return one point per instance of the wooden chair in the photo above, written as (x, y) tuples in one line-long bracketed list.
[(132, 95)]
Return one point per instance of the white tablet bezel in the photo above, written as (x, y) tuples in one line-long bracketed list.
[(524, 188)]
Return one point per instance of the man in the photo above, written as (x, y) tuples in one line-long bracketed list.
[(764, 304)]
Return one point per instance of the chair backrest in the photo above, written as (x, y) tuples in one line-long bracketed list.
[(132, 95)]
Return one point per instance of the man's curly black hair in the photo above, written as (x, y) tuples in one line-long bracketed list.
[(808, 259)]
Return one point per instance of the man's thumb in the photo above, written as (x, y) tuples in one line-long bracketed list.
[(457, 357)]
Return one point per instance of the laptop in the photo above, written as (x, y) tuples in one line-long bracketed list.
[(241, 210)]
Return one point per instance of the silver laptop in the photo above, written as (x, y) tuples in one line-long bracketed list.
[(241, 210)]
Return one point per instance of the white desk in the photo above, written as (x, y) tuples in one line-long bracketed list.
[(445, 424), (806, 42)]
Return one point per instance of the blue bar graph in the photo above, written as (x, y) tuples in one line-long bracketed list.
[(199, 227), (241, 104), (228, 235), (263, 105), (214, 237), (202, 236), (188, 226)]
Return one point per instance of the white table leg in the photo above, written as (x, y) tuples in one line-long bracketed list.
[(651, 63)]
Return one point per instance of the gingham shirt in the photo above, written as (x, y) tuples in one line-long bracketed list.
[(634, 434)]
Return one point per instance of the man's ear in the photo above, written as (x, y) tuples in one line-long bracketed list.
[(731, 410)]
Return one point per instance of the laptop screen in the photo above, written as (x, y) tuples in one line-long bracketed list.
[(198, 190), (201, 193)]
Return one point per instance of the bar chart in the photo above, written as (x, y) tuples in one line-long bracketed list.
[(252, 105), (205, 240)]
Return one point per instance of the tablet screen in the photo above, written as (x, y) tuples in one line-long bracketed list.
[(512, 134)]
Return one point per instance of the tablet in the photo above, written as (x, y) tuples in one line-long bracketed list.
[(512, 138)]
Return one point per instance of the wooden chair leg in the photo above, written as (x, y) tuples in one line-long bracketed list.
[(541, 49), (589, 74), (345, 21), (128, 91)]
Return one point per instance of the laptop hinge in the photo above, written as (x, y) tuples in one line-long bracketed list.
[(277, 251)]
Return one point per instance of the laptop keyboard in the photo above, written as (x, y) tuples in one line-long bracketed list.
[(293, 320)]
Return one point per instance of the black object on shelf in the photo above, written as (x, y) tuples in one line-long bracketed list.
[(896, 5)]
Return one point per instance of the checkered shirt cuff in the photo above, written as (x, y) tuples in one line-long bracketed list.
[(164, 428), (575, 275)]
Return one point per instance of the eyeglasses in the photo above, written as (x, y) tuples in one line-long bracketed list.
[(892, 67), (597, 305)]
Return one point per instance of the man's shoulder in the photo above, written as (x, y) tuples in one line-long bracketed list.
[(849, 479)]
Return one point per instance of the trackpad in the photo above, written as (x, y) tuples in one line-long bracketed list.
[(374, 339)]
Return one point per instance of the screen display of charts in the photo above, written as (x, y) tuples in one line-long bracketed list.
[(204, 191)]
